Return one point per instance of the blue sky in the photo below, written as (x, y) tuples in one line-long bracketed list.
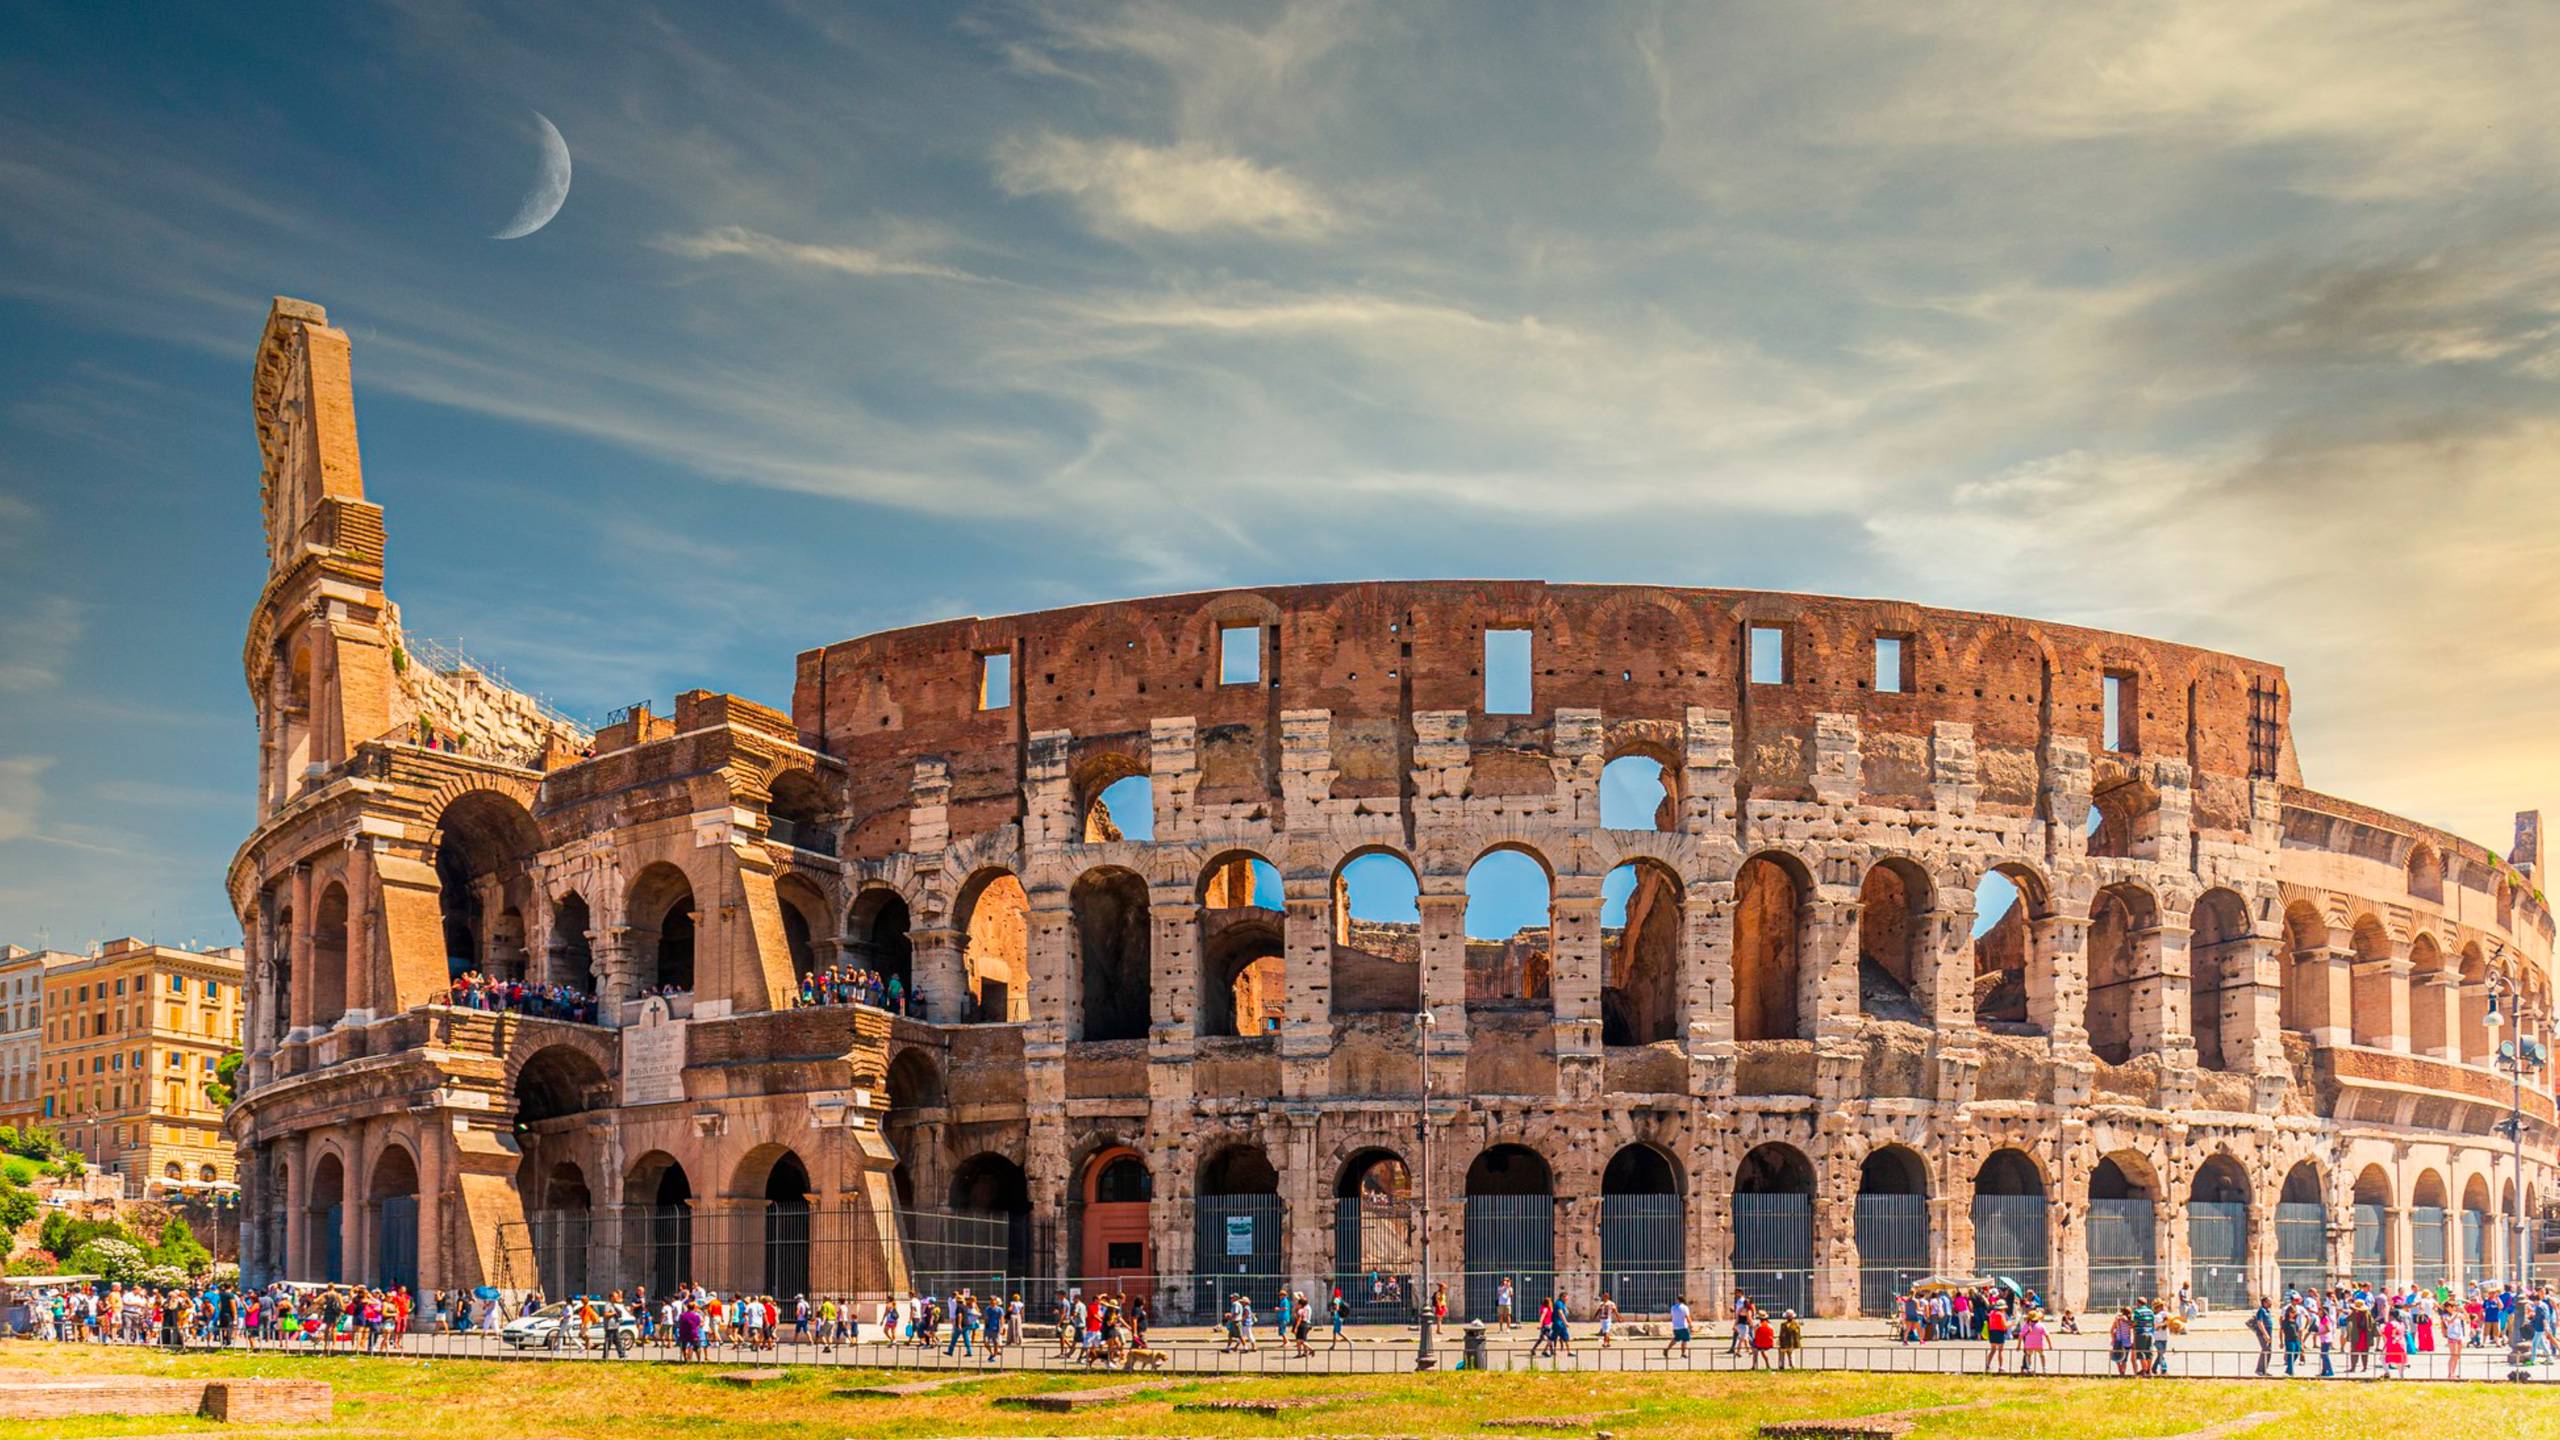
[(2238, 325)]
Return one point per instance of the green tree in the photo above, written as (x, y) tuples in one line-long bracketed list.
[(223, 1088), (17, 1207), (64, 1232), (179, 1247)]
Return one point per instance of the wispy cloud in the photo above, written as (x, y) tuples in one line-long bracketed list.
[(22, 794), (1172, 189), (737, 240), (36, 643)]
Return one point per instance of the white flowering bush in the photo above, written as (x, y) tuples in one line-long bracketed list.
[(161, 1277), (108, 1258), (226, 1273)]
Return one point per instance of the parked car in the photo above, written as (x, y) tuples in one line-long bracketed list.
[(541, 1329)]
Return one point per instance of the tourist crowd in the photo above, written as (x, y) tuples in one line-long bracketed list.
[(475, 991), (856, 985), (355, 1317)]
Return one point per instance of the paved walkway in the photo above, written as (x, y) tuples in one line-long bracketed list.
[(2217, 1348)]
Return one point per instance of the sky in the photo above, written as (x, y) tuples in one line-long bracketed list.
[(2231, 325)]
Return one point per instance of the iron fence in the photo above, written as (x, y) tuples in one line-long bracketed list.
[(1507, 1237), (1773, 1250), (2426, 1246), (2123, 1251), (1644, 1251), (2302, 1245), (2371, 1234), (2009, 1239)]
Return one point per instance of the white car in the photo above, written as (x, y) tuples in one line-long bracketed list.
[(541, 1329)]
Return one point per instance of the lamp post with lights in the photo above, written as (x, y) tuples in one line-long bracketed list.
[(2519, 1054)]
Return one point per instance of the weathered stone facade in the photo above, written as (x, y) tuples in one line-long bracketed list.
[(2219, 992)]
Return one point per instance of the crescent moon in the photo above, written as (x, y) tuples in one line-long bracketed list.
[(550, 188)]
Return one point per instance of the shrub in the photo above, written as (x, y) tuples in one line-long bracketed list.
[(35, 1262), (17, 1207), (180, 1250), (65, 1232), (108, 1258)]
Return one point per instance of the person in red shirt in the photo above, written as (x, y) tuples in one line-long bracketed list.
[(1764, 1338)]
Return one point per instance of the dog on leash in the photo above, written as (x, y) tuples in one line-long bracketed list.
[(1146, 1360)]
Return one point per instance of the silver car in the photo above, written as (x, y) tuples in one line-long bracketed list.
[(541, 1330)]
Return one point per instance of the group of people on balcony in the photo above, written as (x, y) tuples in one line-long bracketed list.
[(473, 990), (857, 985)]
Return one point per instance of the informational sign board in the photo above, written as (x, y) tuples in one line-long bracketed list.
[(1239, 1235)]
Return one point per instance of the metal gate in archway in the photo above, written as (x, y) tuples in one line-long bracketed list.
[(1773, 1250), (2426, 1246), (2009, 1240), (1235, 1248), (333, 1238), (2218, 1252), (559, 1240), (1509, 1235), (2124, 1252), (2475, 1246), (1374, 1258), (2372, 1255), (2302, 1246), (398, 1247), (1893, 1248), (666, 1245), (786, 1249), (1644, 1252)]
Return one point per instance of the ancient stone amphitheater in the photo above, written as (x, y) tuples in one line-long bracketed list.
[(1795, 945)]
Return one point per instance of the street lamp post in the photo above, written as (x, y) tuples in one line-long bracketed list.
[(1423, 1359), (2515, 1057)]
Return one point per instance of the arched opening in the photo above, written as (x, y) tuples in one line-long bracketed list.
[(995, 948), (1768, 906), (2218, 1233), (1117, 1250), (804, 924), (1892, 903), (1773, 1228), (2426, 874), (662, 919), (2124, 1231), (1376, 1246), (1892, 1225), (876, 939), (2431, 1001), (915, 1082), (1113, 943), (1635, 794), (1640, 931), (1510, 1230), (559, 1081), (1237, 1225), (2373, 1257), (788, 1198), (325, 1222), (2302, 1230), (2124, 821), (1510, 932), (1243, 952), (2012, 982), (1120, 802), (485, 845), (329, 957), (662, 1201), (991, 1229), (2475, 1231), (2010, 1211), (2427, 1219), (392, 1196), (572, 957), (797, 813), (1377, 936), (1644, 1222), (2306, 971), (2370, 1014), (560, 1218), (2118, 992), (2220, 982)]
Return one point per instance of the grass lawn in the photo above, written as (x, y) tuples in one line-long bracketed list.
[(472, 1399)]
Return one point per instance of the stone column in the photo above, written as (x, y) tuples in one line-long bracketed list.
[(1706, 986), (1578, 976), (294, 1195), (2058, 976), (2156, 1017), (298, 954), (1173, 970), (368, 993), (2390, 977), (942, 973), (1306, 1027), (2443, 1040), (617, 973), (2334, 979), (1444, 981)]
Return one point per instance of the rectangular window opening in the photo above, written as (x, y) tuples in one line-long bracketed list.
[(995, 680), (1893, 665), (2118, 710), (1506, 672), (1239, 654), (1768, 655)]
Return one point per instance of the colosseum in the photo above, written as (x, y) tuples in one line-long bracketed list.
[(1713, 939)]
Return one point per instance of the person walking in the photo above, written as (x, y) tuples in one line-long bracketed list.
[(1764, 1340), (1679, 1327), (1995, 1337), (1790, 1341), (2262, 1326)]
